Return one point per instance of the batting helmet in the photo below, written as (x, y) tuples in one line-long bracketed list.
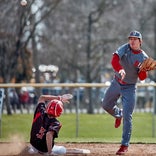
[(54, 108), (136, 34)]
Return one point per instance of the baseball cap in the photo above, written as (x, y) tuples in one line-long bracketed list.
[(136, 34)]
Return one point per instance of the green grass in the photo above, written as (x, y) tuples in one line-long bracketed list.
[(15, 125), (92, 128)]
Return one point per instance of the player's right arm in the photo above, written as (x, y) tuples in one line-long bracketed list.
[(64, 98), (117, 66), (44, 98)]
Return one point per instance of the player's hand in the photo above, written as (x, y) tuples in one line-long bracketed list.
[(66, 97), (122, 73)]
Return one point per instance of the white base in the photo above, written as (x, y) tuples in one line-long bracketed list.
[(78, 151)]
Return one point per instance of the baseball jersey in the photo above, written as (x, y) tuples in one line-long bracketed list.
[(130, 61), (40, 126)]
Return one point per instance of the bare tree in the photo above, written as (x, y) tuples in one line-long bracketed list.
[(18, 30), (77, 36)]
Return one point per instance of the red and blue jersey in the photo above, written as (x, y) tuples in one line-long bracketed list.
[(130, 61)]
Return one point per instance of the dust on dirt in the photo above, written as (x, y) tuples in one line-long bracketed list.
[(97, 149)]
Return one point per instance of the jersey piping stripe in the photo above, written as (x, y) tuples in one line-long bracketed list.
[(37, 116)]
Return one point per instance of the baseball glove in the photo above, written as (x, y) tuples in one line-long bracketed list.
[(148, 64)]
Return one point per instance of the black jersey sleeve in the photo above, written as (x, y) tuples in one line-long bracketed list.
[(40, 108), (55, 126)]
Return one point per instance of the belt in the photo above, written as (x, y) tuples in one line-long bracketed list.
[(119, 80)]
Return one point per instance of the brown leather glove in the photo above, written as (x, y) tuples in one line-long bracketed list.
[(148, 64)]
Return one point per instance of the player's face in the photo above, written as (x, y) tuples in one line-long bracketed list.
[(135, 43)]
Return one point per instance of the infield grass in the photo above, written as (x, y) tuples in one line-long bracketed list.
[(82, 128)]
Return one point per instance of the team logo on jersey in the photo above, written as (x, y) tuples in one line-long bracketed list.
[(41, 133), (137, 63)]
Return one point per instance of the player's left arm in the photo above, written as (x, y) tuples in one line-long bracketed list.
[(142, 75), (148, 64)]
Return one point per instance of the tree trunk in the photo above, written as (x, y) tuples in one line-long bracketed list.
[(36, 65), (7, 101), (89, 92)]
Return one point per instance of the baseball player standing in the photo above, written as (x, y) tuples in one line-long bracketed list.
[(125, 62), (45, 126)]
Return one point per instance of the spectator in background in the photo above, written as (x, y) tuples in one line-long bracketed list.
[(14, 99), (24, 99)]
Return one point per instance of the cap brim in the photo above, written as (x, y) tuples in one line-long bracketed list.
[(133, 36)]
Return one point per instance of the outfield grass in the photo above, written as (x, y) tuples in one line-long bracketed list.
[(92, 128)]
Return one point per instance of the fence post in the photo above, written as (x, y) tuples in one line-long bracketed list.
[(77, 111), (1, 107), (154, 113)]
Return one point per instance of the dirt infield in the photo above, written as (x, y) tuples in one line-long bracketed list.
[(97, 149)]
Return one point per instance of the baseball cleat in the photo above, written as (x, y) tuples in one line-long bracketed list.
[(122, 150), (117, 122)]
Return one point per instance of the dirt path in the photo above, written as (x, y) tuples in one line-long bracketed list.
[(97, 149)]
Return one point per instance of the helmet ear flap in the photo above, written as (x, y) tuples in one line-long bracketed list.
[(55, 108)]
